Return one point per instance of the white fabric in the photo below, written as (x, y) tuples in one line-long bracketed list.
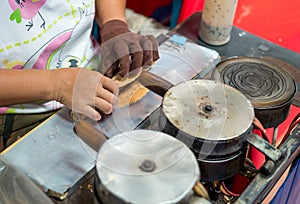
[(45, 34)]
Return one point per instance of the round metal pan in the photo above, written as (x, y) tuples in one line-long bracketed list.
[(213, 119), (221, 115), (269, 87), (140, 166)]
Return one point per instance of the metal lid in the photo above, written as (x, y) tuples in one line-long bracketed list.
[(208, 109), (144, 166), (264, 84)]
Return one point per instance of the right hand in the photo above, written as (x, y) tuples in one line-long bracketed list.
[(123, 51), (84, 91)]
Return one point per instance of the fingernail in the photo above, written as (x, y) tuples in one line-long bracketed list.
[(116, 92), (97, 117)]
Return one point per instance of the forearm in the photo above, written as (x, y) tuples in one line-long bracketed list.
[(22, 86), (79, 89), (107, 10)]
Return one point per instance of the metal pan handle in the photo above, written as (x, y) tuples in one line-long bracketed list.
[(263, 146)]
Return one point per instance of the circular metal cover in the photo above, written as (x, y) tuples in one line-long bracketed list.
[(208, 109), (264, 84), (144, 166)]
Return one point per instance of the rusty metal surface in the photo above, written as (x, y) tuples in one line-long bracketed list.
[(262, 145), (208, 110), (212, 118), (260, 186), (243, 43)]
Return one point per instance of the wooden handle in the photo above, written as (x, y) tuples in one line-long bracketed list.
[(154, 83), (90, 134), (77, 116)]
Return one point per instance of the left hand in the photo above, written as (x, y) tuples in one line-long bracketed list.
[(123, 51), (83, 91)]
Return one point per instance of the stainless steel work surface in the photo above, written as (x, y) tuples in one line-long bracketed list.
[(54, 157), (177, 63), (52, 154)]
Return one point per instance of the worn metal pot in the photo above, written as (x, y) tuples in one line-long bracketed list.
[(212, 118), (215, 120), (141, 166)]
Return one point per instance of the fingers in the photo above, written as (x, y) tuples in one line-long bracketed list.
[(129, 51), (106, 94), (92, 113), (93, 94), (124, 63), (147, 52), (154, 47), (136, 56), (112, 70), (110, 85), (149, 47), (103, 105)]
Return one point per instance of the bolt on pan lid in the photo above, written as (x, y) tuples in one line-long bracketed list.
[(264, 84), (145, 166), (208, 110)]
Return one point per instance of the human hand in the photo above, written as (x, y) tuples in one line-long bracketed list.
[(123, 51), (84, 91)]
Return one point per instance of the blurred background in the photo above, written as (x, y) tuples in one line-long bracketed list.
[(274, 20)]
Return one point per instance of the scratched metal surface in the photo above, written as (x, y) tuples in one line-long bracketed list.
[(54, 157), (176, 64)]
